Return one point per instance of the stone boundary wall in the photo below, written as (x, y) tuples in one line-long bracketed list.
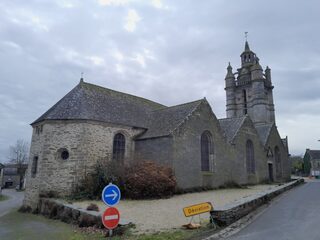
[(56, 209), (232, 212)]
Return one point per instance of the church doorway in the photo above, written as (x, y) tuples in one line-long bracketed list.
[(270, 168)]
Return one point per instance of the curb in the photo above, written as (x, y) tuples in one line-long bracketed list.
[(244, 212)]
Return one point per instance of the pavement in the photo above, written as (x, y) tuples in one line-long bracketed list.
[(14, 201), (293, 215)]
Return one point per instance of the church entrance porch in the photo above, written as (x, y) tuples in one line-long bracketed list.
[(270, 168)]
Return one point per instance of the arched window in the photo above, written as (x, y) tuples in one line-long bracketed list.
[(245, 107), (119, 147), (206, 150), (277, 159), (251, 166)]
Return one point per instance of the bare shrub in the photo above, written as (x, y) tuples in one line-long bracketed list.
[(147, 179), (140, 180), (92, 184), (25, 209), (93, 207)]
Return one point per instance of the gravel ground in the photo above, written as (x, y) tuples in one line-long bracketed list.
[(166, 214)]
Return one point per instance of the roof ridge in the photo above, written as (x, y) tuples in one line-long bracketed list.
[(240, 125), (41, 118), (121, 93), (179, 105), (189, 114)]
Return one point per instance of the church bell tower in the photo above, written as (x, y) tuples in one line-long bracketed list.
[(249, 89)]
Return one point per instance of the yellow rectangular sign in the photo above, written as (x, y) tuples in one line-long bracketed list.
[(197, 209)]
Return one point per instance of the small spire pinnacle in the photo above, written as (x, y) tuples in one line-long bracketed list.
[(81, 79), (229, 71), (246, 47)]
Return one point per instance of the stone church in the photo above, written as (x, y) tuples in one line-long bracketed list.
[(92, 123)]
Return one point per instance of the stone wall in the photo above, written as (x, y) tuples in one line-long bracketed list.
[(158, 149), (56, 209), (230, 213), (239, 173), (86, 141), (187, 151), (273, 141)]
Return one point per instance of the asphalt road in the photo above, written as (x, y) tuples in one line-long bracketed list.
[(294, 215), (14, 201)]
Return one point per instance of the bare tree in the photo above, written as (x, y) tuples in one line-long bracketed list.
[(19, 154)]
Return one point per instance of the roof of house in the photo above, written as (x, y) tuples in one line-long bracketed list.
[(230, 126), (314, 154), (264, 131), (91, 102)]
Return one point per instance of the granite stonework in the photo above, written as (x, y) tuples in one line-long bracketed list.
[(82, 127), (86, 141), (60, 210), (230, 213)]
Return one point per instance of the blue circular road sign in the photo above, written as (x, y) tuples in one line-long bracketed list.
[(111, 195)]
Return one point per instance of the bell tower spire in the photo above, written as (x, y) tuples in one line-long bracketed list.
[(249, 90)]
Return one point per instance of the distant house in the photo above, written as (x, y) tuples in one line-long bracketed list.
[(11, 175), (311, 162)]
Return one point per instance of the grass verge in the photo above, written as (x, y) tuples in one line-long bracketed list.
[(3, 197)]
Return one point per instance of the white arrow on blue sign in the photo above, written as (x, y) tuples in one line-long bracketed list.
[(111, 195)]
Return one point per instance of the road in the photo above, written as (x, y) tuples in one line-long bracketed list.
[(294, 215), (15, 201)]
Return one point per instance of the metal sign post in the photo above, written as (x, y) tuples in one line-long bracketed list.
[(111, 196)]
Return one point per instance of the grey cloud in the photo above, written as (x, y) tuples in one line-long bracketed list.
[(191, 43)]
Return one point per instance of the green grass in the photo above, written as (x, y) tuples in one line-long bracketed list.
[(3, 197), (23, 226)]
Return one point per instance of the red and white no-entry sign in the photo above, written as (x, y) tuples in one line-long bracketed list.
[(111, 218)]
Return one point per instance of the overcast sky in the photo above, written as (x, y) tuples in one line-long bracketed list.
[(167, 51)]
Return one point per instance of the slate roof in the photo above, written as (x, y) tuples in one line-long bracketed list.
[(314, 154), (230, 126), (164, 121), (264, 131), (91, 102)]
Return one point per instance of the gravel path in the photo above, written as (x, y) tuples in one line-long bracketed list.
[(165, 214)]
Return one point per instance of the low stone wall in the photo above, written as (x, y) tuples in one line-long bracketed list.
[(57, 209), (230, 213)]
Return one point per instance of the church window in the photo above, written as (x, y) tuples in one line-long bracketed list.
[(245, 110), (206, 150), (63, 154), (34, 167), (277, 157), (250, 157), (119, 147)]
